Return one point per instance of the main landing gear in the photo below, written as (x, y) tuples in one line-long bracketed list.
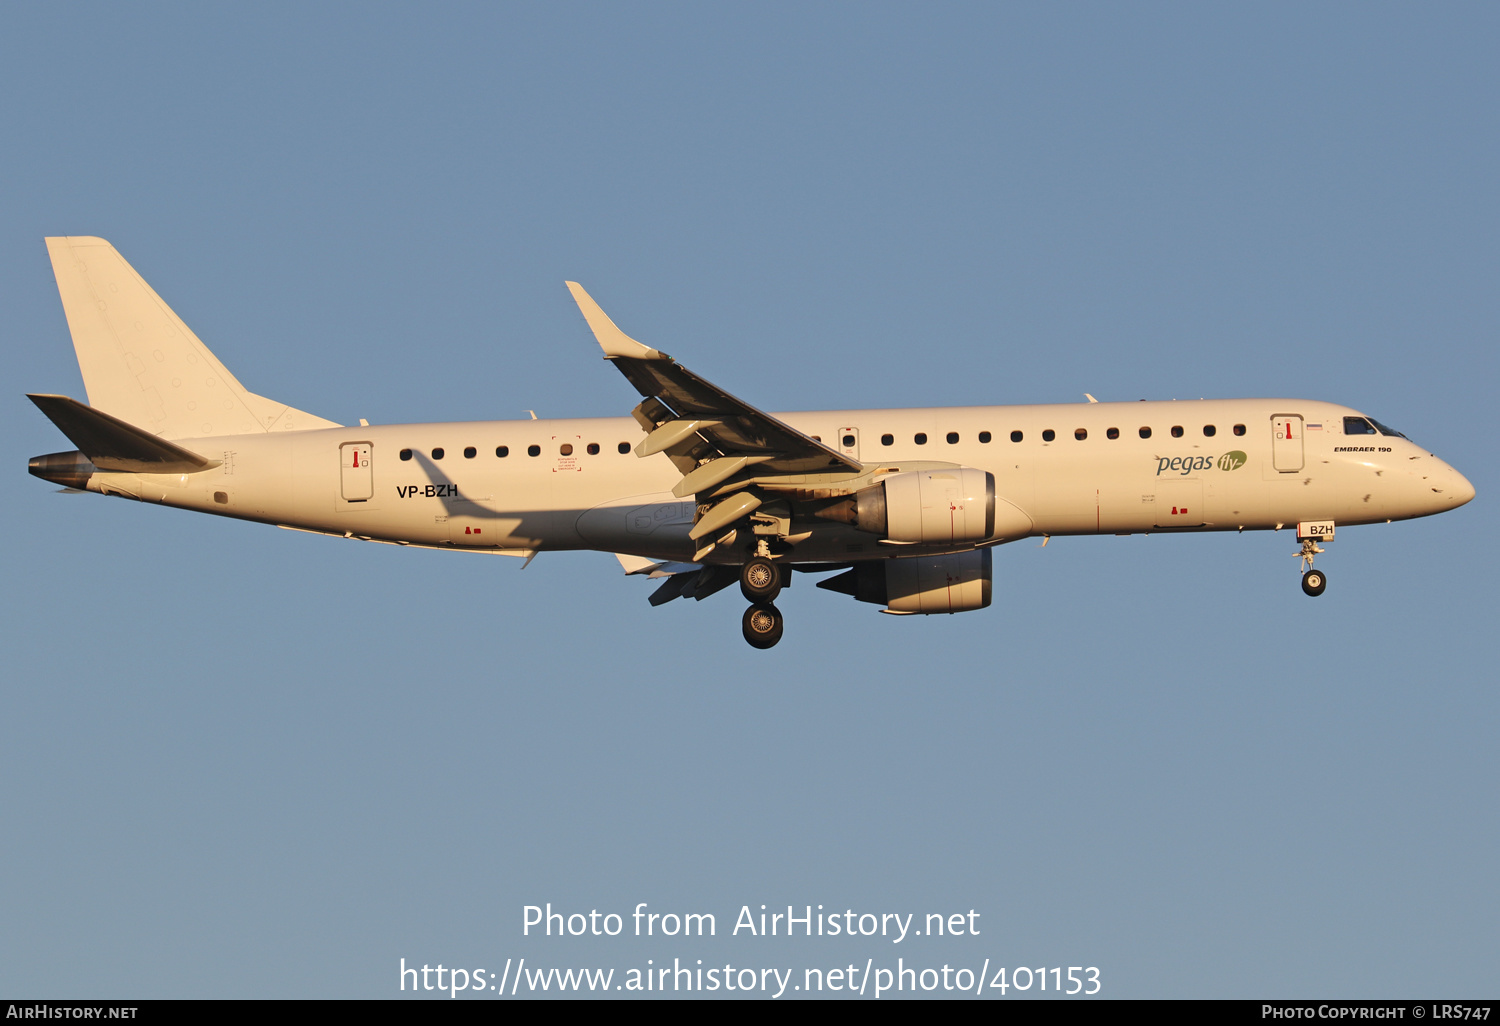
[(762, 625), (1313, 581), (760, 580), (760, 583)]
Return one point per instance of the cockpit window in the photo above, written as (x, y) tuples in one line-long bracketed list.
[(1358, 426), (1386, 430)]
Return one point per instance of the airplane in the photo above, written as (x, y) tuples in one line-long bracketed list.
[(698, 489)]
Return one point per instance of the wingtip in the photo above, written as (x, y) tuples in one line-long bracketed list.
[(611, 339)]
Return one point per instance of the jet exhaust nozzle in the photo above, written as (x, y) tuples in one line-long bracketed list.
[(69, 469)]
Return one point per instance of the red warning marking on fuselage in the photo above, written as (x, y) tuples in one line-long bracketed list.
[(472, 530)]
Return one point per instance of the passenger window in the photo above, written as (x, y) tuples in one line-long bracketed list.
[(817, 438), (1112, 433), (566, 449), (624, 447), (1081, 434), (1358, 426), (533, 450), (437, 454), (887, 439), (406, 454), (1209, 430), (848, 441), (920, 438), (1176, 430), (984, 438), (593, 448), (502, 451), (1048, 435), (1016, 436), (1239, 429), (470, 452), (1145, 432), (952, 437)]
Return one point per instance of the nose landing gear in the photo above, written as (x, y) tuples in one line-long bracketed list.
[(1313, 581)]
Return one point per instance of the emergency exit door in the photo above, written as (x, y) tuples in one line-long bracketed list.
[(849, 442), (355, 478), (1286, 443)]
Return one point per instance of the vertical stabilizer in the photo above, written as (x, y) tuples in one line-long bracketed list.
[(140, 363)]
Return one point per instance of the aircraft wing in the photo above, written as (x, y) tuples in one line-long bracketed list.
[(711, 434)]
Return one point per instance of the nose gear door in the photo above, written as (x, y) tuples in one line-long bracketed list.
[(1286, 443)]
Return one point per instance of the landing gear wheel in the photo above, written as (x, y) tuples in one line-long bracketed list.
[(762, 625), (760, 581), (1313, 582)]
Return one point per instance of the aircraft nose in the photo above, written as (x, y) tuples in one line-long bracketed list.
[(1461, 490), (1448, 488)]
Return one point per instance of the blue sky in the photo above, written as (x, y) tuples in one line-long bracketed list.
[(236, 761)]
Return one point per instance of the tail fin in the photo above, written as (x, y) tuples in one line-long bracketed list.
[(141, 364)]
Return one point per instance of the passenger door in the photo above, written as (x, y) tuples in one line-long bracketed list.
[(1286, 443), (356, 481)]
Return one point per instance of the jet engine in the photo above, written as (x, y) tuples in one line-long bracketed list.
[(955, 583), (69, 469), (924, 506)]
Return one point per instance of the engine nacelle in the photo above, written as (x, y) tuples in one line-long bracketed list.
[(955, 583), (929, 506)]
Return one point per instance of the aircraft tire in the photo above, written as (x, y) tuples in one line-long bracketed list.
[(760, 581), (1313, 582), (762, 625)]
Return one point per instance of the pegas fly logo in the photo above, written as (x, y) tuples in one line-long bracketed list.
[(1185, 465), (1232, 460)]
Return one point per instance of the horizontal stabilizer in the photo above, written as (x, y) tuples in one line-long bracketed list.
[(112, 444)]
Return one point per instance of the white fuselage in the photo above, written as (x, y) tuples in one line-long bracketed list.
[(1291, 461)]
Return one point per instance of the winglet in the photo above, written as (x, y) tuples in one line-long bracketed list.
[(612, 340)]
